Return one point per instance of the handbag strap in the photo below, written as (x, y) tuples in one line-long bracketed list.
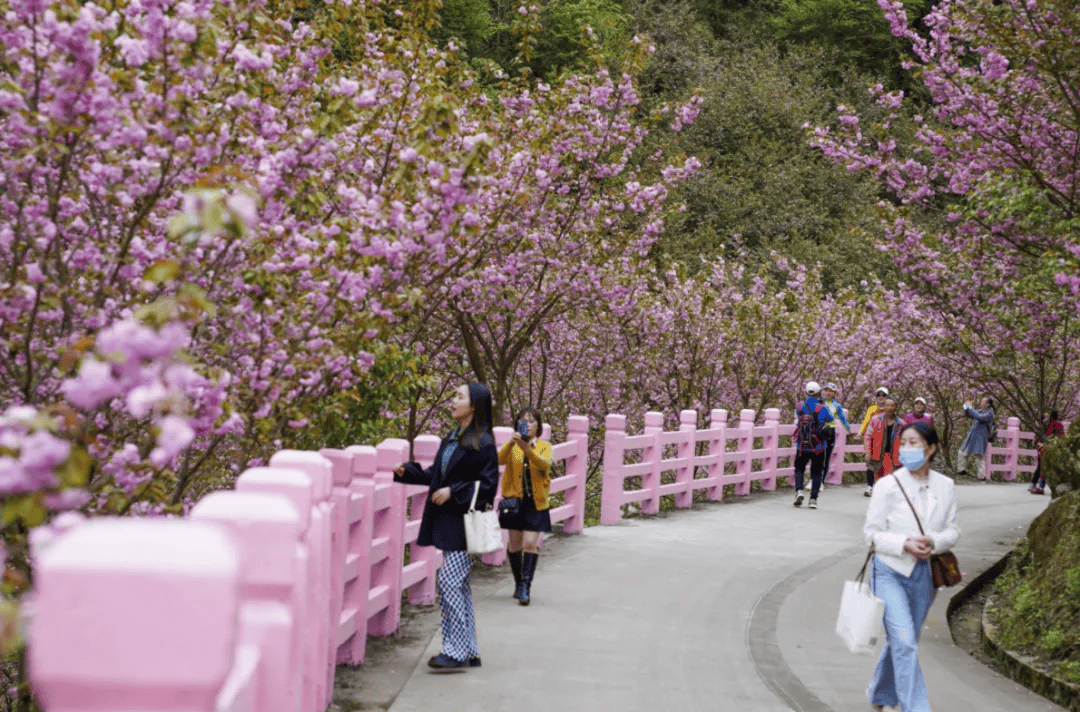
[(476, 491), (862, 572), (909, 504)]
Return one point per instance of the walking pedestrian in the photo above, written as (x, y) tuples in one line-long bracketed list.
[(527, 479), (879, 404), (836, 409), (880, 443), (1052, 428), (900, 575), (978, 438), (811, 415), (466, 459), (918, 413)]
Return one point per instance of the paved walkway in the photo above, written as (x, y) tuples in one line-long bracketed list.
[(726, 607)]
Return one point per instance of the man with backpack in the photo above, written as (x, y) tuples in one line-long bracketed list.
[(811, 415)]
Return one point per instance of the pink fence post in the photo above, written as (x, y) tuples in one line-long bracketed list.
[(390, 454), (297, 487), (1012, 450), (496, 558), (769, 462), (266, 528), (687, 447), (653, 454), (836, 455), (611, 498), (341, 473), (135, 614), (318, 468), (717, 447), (744, 466), (352, 626), (577, 466), (428, 558)]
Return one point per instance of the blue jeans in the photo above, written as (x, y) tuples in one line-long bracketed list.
[(898, 679)]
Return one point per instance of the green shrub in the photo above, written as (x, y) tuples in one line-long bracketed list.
[(1061, 462)]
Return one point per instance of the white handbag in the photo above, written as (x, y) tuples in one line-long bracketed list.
[(482, 532), (861, 622)]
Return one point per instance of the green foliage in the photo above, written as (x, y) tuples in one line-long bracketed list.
[(363, 415), (761, 188), (854, 32), (560, 45), (1038, 609), (1061, 462), (469, 21), (492, 33)]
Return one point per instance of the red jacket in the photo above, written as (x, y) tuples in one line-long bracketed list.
[(875, 437), (1054, 429)]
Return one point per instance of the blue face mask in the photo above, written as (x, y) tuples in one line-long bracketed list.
[(912, 458)]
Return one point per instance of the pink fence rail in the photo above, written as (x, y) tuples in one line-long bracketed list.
[(731, 458), (248, 605)]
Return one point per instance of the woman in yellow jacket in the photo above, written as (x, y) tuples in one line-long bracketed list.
[(527, 479)]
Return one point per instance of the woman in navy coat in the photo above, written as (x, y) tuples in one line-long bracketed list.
[(466, 458)]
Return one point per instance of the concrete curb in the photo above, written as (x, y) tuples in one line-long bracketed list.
[(1018, 668), (974, 586)]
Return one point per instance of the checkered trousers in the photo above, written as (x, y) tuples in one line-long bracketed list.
[(455, 599)]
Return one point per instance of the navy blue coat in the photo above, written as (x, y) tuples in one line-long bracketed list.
[(442, 525)]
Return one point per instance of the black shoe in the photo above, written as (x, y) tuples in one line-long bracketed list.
[(474, 662), (442, 661), (514, 557), (528, 569)]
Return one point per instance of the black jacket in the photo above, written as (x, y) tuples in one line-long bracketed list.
[(442, 525)]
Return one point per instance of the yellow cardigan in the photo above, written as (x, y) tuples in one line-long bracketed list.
[(539, 470), (870, 413)]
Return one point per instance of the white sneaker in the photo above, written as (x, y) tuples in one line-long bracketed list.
[(813, 504), (798, 498), (869, 492)]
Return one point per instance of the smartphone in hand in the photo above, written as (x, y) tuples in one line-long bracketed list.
[(523, 428)]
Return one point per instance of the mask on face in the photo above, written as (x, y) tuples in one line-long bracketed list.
[(912, 457)]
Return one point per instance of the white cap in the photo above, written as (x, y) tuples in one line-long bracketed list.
[(812, 387), (830, 386), (882, 389), (920, 399)]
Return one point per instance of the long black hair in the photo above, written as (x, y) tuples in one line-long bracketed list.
[(479, 430), (927, 431)]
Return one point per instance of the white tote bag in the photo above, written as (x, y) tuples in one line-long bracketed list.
[(482, 532), (861, 622)]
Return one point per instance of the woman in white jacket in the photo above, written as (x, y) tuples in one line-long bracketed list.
[(901, 569)]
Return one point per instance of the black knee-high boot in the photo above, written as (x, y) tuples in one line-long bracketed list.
[(514, 557), (528, 568)]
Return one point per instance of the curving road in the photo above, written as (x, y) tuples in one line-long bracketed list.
[(726, 607)]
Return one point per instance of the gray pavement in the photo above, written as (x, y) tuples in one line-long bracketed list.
[(727, 606)]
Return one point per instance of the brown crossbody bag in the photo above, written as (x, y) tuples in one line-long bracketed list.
[(944, 568)]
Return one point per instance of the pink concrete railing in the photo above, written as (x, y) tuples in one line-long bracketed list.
[(730, 458), (1009, 449), (250, 603)]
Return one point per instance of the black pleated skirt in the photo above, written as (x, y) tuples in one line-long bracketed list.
[(527, 519)]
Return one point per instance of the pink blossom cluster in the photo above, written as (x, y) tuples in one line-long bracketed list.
[(982, 201)]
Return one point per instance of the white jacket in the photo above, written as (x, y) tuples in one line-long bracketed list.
[(889, 521)]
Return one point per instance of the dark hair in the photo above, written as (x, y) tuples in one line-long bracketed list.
[(536, 414), (990, 401), (927, 431), (1053, 415), (479, 430)]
